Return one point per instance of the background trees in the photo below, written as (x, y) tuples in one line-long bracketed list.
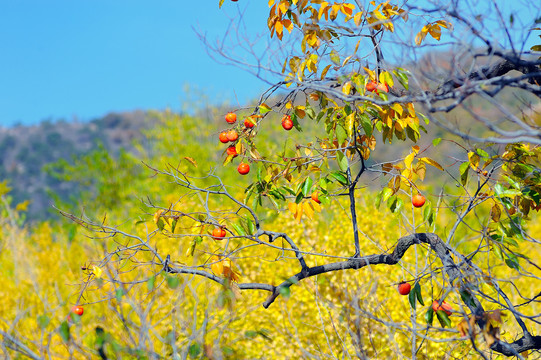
[(323, 229)]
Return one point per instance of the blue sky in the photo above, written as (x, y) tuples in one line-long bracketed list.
[(65, 58)]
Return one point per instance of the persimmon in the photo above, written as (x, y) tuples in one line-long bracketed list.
[(374, 86), (418, 200), (223, 137), (249, 122), (287, 124), (404, 288), (243, 168), (371, 86), (232, 135), (232, 150), (78, 310), (315, 197), (443, 306), (218, 233), (231, 117), (382, 87)]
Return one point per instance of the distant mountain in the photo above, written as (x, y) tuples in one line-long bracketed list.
[(26, 149)]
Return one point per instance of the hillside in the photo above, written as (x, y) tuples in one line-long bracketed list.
[(26, 149)]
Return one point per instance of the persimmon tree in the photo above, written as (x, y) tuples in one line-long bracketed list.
[(372, 106)]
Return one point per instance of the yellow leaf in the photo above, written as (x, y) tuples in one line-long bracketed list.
[(420, 170), (292, 207), (435, 31), (324, 9), (421, 35), (279, 28), (283, 6), (97, 271), (288, 25), (408, 160), (324, 72), (495, 213), (298, 214), (347, 9), (398, 109), (308, 210), (415, 149), (370, 73), (474, 160), (192, 161), (157, 216), (315, 205), (444, 23), (346, 89), (386, 78), (429, 161), (228, 159), (22, 206), (358, 18)]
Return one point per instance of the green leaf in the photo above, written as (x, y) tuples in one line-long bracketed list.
[(238, 229), (251, 227), (411, 298), (339, 177), (285, 291), (119, 293), (436, 141), (467, 298), (427, 213), (341, 135), (423, 116), (444, 319), (307, 186), (160, 224), (482, 153), (43, 321), (366, 124), (386, 193), (417, 291), (172, 281), (194, 350), (397, 205), (335, 58), (429, 316), (174, 224), (342, 160), (464, 168), (64, 331), (512, 262), (264, 108), (151, 282), (402, 77)]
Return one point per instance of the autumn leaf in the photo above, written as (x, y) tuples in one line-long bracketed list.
[(191, 160), (97, 271)]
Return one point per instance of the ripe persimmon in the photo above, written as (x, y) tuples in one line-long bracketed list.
[(223, 137), (404, 288), (218, 233), (231, 117), (232, 135), (232, 150), (371, 86), (444, 306), (78, 310), (287, 124), (418, 200), (243, 168), (249, 122)]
